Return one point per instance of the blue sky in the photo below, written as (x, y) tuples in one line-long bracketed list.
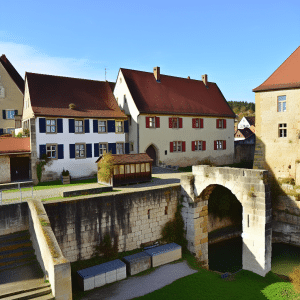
[(239, 44)]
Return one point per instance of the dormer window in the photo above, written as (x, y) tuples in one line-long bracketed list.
[(2, 94)]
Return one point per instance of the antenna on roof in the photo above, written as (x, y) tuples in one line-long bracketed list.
[(105, 72)]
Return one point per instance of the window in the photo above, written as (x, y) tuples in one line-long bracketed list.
[(51, 151), (125, 101), (116, 170), (176, 146), (121, 169), (102, 148), (79, 150), (132, 168), (197, 123), (198, 145), (131, 147), (147, 167), (175, 123), (51, 126), (2, 94), (127, 169), (221, 123), (102, 126), (138, 168), (281, 100), (220, 145), (152, 122), (10, 114), (78, 126), (119, 126), (282, 128), (120, 148)]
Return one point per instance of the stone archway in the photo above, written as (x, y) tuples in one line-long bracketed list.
[(252, 190), (151, 151)]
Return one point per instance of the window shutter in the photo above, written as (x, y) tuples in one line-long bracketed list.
[(171, 146), (16, 112), (201, 123), (87, 126), (111, 126), (183, 146), (126, 148), (180, 122), (1, 131), (60, 151), (59, 125), (42, 150), (126, 126), (72, 129), (170, 123), (89, 150), (193, 124), (157, 122), (224, 123), (72, 150), (96, 149), (42, 125), (217, 123), (203, 145), (112, 147), (215, 145), (4, 114), (224, 145), (95, 126), (193, 145), (147, 122)]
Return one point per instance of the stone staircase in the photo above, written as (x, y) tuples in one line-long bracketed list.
[(21, 276)]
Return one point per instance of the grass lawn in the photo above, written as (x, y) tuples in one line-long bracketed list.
[(204, 284)]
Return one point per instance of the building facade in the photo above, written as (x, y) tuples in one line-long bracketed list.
[(176, 121), (278, 120), (72, 121), (11, 96)]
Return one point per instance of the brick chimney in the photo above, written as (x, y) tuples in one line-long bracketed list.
[(156, 73), (204, 79)]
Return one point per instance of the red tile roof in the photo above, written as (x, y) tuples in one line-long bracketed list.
[(130, 158), (286, 76), (175, 95), (13, 73), (246, 133), (9, 145), (51, 96)]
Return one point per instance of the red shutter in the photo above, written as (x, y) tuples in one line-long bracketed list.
[(224, 145), (171, 146), (180, 122), (215, 145), (203, 145), (147, 122), (193, 123), (201, 123), (224, 123), (157, 122), (193, 145), (183, 146), (170, 123), (217, 123)]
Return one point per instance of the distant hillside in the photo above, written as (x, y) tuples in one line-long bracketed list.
[(242, 107)]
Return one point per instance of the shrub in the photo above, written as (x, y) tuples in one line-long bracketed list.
[(295, 279), (65, 173), (106, 167), (106, 248)]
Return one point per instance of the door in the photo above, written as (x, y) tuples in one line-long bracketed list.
[(19, 168), (152, 153)]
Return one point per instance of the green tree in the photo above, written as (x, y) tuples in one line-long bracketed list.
[(106, 167)]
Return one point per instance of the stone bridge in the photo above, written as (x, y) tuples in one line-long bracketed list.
[(252, 190)]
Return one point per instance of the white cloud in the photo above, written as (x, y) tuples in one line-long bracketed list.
[(28, 59)]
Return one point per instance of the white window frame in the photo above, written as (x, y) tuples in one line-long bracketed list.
[(219, 144), (101, 126), (120, 148), (51, 124), (78, 126), (152, 122), (281, 103), (53, 148), (282, 130), (198, 145), (177, 146), (82, 149)]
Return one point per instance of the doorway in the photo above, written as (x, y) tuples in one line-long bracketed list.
[(152, 153), (19, 168)]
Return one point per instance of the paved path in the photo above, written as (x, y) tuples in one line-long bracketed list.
[(141, 285), (161, 176)]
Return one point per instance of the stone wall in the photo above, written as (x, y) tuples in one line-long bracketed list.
[(13, 218), (243, 152), (4, 169), (138, 217)]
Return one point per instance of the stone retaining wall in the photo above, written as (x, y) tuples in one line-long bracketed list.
[(138, 217)]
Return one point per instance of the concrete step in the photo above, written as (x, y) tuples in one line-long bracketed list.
[(18, 264), (21, 290), (11, 245), (15, 236), (11, 260), (16, 252), (33, 294)]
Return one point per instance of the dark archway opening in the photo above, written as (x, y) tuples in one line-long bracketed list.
[(225, 216), (19, 168), (152, 153)]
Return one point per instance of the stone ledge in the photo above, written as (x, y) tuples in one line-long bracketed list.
[(87, 191)]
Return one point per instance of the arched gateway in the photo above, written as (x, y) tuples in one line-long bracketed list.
[(252, 190)]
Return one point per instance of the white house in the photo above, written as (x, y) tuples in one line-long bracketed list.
[(176, 121), (72, 121), (247, 122)]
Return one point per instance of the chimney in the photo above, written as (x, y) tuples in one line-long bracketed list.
[(156, 73), (188, 77), (204, 79)]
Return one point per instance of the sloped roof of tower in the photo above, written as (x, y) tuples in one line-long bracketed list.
[(175, 95), (13, 73), (287, 76), (52, 95)]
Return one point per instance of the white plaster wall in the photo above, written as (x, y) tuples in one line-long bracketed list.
[(76, 167), (27, 108), (130, 108), (243, 124), (4, 169)]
